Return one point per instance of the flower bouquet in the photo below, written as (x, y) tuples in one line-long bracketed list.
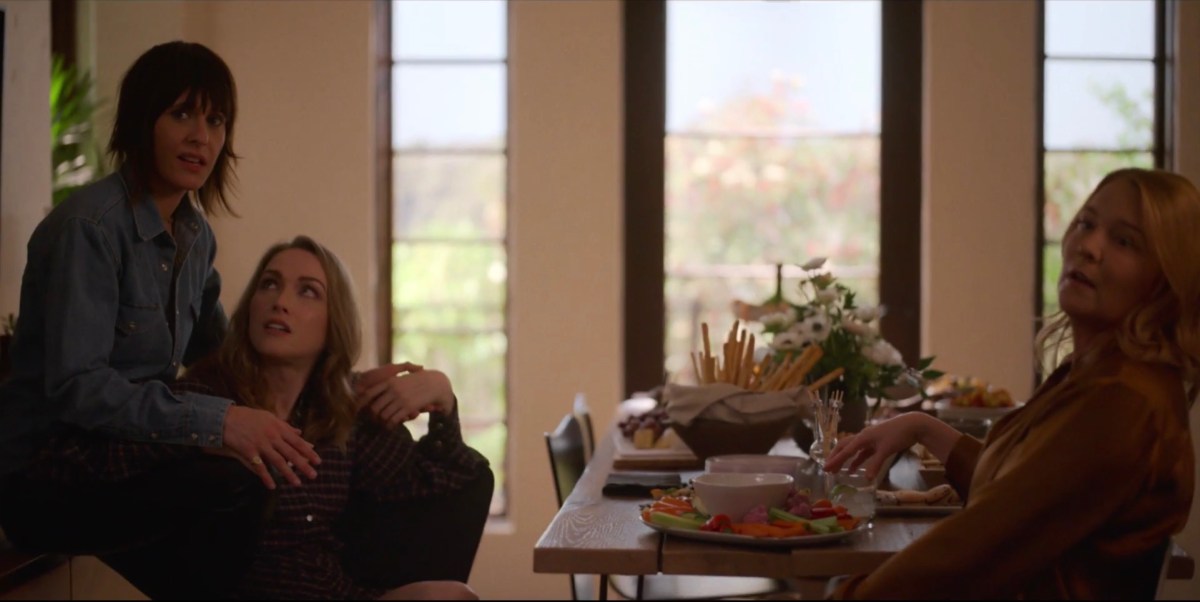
[(848, 334)]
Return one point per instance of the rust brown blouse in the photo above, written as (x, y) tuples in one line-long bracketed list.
[(1071, 496)]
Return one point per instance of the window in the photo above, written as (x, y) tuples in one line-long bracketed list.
[(1102, 108), (753, 138), (772, 153), (445, 264)]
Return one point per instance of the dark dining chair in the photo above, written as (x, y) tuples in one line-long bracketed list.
[(569, 447)]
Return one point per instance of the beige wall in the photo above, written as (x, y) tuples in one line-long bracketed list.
[(305, 120), (304, 74), (979, 183), (1187, 162), (25, 148)]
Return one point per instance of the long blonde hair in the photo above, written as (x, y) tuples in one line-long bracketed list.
[(1166, 327), (329, 407)]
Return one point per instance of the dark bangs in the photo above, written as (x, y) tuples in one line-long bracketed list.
[(149, 88)]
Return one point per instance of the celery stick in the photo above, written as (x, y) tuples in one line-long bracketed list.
[(675, 522)]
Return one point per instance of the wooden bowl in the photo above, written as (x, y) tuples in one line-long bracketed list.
[(717, 438)]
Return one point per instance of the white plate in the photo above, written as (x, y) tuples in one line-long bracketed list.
[(747, 540)]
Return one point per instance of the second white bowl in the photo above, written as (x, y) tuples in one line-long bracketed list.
[(736, 493)]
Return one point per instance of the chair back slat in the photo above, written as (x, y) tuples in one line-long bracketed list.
[(568, 458)]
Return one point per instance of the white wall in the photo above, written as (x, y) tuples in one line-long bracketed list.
[(304, 74), (25, 148), (979, 185), (565, 273), (304, 127)]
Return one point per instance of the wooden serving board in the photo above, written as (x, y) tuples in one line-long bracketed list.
[(627, 457)]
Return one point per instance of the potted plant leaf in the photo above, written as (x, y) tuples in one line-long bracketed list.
[(74, 154)]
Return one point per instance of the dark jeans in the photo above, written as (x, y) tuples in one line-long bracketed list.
[(185, 531)]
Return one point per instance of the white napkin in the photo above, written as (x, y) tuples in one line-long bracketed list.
[(730, 403)]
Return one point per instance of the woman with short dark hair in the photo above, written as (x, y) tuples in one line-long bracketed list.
[(119, 293)]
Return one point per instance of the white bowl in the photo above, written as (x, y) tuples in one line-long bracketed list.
[(789, 465), (736, 493)]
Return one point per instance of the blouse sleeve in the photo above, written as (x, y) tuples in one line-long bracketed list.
[(390, 466), (80, 456), (1049, 498), (960, 466)]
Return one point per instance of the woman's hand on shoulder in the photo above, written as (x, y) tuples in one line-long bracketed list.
[(397, 393), (260, 439)]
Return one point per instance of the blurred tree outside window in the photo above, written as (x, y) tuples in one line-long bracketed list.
[(448, 201), (1099, 100), (772, 155)]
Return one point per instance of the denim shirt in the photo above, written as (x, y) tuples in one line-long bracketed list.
[(93, 347)]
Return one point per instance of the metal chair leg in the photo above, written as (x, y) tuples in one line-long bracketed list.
[(603, 587), (641, 584)]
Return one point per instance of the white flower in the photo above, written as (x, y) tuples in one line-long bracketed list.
[(815, 327), (827, 296), (855, 327), (814, 263), (883, 353), (780, 320), (868, 313), (788, 341)]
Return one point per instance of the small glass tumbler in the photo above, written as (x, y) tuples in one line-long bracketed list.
[(854, 491)]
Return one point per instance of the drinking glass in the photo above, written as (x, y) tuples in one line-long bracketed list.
[(853, 490)]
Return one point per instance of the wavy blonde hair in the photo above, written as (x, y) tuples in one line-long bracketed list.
[(329, 406), (1165, 328)]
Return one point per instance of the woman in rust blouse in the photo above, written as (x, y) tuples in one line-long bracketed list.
[(292, 344), (1075, 494)]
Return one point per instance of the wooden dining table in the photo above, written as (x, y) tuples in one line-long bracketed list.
[(603, 535)]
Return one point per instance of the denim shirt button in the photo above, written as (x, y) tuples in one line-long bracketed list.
[(154, 435), (164, 266), (309, 518), (195, 436)]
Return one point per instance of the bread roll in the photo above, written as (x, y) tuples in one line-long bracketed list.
[(942, 495)]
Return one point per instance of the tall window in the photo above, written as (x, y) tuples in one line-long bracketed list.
[(1102, 108), (448, 204), (772, 154)]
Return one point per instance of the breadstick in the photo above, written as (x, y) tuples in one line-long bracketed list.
[(696, 366), (777, 375), (828, 378), (760, 372), (813, 355), (704, 331), (747, 363)]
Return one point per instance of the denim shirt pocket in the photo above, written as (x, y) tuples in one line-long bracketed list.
[(142, 344)]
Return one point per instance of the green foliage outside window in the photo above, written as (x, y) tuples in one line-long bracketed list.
[(738, 204)]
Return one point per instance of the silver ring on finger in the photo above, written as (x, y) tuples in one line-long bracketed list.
[(256, 460)]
